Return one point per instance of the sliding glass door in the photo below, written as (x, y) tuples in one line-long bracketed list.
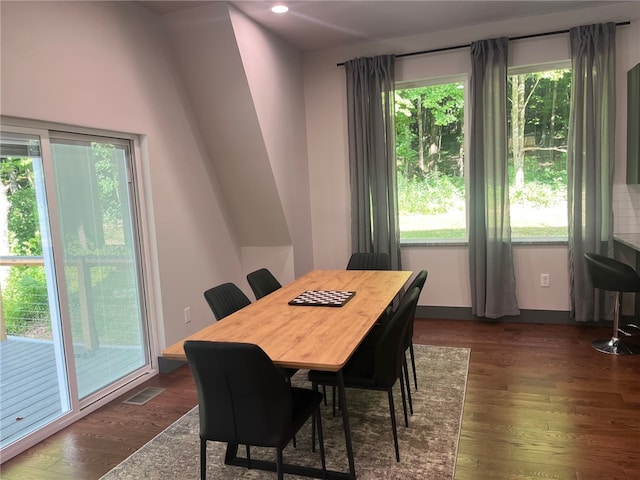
[(70, 275), (34, 390), (100, 259)]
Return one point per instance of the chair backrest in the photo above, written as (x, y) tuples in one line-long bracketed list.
[(369, 261), (225, 299), (390, 348), (241, 396), (609, 274), (419, 280), (262, 282)]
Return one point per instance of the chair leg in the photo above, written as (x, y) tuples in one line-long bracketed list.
[(404, 402), (203, 459), (615, 346), (314, 386), (333, 389), (413, 365), (279, 464), (313, 431), (392, 413), (405, 369), (248, 449)]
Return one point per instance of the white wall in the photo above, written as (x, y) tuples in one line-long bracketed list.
[(274, 74), (105, 65), (325, 99), (117, 66)]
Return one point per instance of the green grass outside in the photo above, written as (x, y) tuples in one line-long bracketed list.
[(461, 234)]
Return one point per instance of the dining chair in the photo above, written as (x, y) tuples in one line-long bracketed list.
[(364, 261), (243, 399), (377, 362), (226, 299), (369, 261), (262, 282), (418, 282)]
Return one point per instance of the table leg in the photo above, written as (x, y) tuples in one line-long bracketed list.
[(345, 422), (231, 458), (232, 453)]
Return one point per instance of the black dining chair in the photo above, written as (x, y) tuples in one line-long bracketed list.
[(262, 282), (369, 261), (243, 400), (418, 282), (365, 261), (378, 362), (226, 299)]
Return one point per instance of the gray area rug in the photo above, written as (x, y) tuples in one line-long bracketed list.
[(428, 448)]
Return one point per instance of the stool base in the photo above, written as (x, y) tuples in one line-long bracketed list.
[(615, 346)]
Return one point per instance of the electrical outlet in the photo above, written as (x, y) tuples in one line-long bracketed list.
[(187, 315), (544, 279)]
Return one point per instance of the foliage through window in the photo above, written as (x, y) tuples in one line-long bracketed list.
[(538, 121), (430, 162)]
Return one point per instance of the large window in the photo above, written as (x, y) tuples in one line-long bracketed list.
[(430, 162), (538, 121)]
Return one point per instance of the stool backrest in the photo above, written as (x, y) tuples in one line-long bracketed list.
[(609, 274)]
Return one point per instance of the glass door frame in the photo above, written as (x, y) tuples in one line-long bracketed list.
[(145, 265)]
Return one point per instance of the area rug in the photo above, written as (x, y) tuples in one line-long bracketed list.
[(428, 447)]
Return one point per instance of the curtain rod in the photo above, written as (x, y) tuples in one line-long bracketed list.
[(457, 47)]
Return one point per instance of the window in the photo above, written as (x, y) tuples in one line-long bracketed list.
[(538, 120), (430, 162)]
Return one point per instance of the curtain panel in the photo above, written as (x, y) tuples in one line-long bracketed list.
[(493, 288), (371, 128), (590, 161)]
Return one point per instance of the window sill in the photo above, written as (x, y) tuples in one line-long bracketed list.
[(518, 242), (433, 243), (523, 241)]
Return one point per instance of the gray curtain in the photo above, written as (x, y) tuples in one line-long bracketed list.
[(370, 108), (493, 285), (590, 160)]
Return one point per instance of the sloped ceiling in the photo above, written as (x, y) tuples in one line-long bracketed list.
[(318, 24), (211, 68)]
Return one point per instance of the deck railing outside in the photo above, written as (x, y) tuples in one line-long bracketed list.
[(24, 325), (34, 318)]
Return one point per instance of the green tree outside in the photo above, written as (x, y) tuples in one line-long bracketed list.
[(430, 153)]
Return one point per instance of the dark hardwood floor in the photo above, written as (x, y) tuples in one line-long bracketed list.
[(540, 403)]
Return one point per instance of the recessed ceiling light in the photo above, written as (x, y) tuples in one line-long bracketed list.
[(279, 9)]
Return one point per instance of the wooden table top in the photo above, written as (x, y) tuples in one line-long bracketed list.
[(308, 337)]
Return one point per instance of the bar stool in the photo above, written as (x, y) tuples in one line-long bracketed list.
[(611, 275)]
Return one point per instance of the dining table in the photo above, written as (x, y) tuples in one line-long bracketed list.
[(312, 335)]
